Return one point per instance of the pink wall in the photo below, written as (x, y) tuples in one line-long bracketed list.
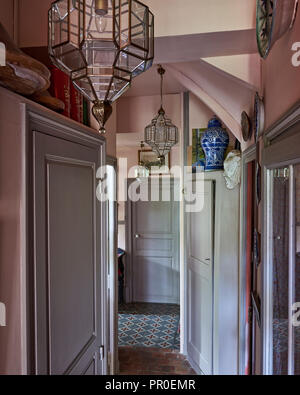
[(135, 113), (224, 94), (281, 80), (7, 15), (176, 17), (200, 114), (232, 15), (33, 22)]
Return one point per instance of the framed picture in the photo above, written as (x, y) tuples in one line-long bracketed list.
[(198, 155), (150, 160)]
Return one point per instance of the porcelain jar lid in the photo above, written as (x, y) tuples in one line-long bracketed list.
[(214, 123)]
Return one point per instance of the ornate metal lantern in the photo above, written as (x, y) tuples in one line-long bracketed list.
[(102, 45), (161, 134)]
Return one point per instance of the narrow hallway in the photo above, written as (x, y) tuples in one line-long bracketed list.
[(150, 190), (137, 361)]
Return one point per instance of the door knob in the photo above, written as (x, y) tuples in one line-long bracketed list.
[(137, 236)]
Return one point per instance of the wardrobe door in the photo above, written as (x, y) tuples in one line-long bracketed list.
[(67, 261), (200, 282), (155, 249)]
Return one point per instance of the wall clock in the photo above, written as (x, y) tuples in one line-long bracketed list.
[(273, 19), (246, 126), (259, 117)]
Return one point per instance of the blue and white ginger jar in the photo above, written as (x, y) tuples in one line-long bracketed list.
[(214, 142)]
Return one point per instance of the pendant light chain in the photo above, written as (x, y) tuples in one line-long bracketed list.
[(161, 71), (161, 90)]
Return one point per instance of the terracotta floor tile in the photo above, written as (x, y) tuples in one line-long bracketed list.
[(152, 361)]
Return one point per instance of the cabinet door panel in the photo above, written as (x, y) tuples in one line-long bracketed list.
[(67, 235), (200, 282)]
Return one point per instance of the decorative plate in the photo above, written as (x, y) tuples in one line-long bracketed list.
[(259, 117), (246, 126), (273, 19), (264, 25)]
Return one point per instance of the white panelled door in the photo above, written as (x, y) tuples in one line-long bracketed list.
[(155, 251), (200, 282)]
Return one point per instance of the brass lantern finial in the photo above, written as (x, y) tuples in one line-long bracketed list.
[(101, 110)]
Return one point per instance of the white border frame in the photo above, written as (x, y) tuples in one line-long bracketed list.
[(267, 274), (282, 135)]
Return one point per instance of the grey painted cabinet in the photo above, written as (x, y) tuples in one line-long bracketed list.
[(66, 255), (200, 282), (212, 278), (53, 266), (69, 314)]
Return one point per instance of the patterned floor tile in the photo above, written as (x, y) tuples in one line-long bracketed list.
[(149, 325)]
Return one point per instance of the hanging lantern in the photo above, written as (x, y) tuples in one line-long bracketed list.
[(101, 45), (161, 134)]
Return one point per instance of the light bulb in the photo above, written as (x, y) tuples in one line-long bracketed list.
[(101, 23), (101, 10)]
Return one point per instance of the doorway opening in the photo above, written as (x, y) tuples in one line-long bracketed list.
[(148, 267)]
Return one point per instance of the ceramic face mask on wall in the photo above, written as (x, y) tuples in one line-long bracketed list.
[(232, 169)]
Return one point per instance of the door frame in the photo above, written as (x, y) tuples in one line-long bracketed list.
[(112, 281), (249, 155), (36, 118), (285, 133), (129, 241)]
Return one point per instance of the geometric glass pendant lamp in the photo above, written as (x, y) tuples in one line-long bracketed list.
[(161, 135), (102, 45)]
